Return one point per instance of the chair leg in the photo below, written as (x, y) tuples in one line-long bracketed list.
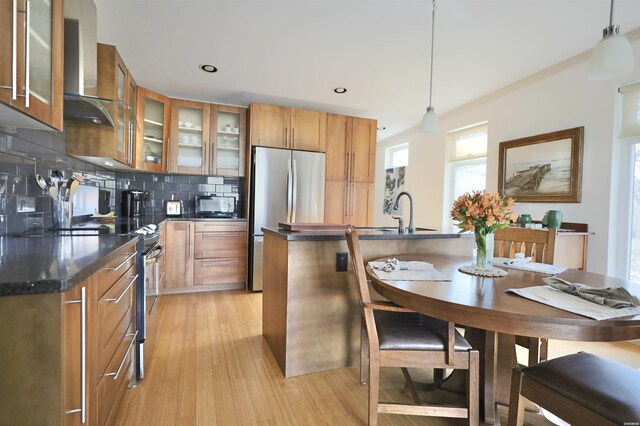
[(473, 388), (410, 385), (516, 401), (544, 349), (364, 353), (374, 388), (438, 376), (534, 351)]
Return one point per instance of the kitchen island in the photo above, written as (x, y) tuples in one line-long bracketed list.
[(310, 311)]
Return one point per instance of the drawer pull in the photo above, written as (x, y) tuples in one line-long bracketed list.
[(219, 262), (117, 299), (123, 263), (126, 354), (222, 235)]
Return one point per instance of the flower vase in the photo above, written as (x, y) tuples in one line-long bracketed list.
[(483, 259)]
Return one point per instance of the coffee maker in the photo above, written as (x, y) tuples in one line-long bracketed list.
[(133, 202)]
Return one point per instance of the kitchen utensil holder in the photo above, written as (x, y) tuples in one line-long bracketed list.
[(62, 213)]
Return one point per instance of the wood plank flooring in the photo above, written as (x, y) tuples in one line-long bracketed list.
[(211, 366)]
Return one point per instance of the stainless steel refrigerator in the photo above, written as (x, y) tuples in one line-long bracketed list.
[(286, 186)]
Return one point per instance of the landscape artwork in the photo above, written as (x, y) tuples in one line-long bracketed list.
[(543, 168), (393, 185)]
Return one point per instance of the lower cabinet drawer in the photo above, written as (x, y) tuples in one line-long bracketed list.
[(220, 244), (118, 375), (107, 353), (216, 271), (114, 305), (115, 269)]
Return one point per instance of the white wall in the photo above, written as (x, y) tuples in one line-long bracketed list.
[(557, 98)]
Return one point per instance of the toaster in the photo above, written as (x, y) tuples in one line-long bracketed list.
[(173, 208)]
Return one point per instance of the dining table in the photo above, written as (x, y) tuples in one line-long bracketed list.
[(492, 318)]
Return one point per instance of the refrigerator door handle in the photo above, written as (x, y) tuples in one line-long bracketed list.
[(289, 191), (294, 192)]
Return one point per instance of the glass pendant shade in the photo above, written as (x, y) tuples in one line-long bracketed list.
[(611, 57), (430, 122)]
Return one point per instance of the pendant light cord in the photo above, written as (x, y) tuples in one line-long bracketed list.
[(611, 14), (433, 20)]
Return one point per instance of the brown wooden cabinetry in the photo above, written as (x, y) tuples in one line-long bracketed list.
[(228, 140), (31, 77), (205, 255), (76, 348), (178, 256), (292, 128), (350, 170), (189, 143), (153, 112), (102, 142)]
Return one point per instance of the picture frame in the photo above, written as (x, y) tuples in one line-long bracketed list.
[(544, 168)]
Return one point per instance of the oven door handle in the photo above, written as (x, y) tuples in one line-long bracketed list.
[(152, 256)]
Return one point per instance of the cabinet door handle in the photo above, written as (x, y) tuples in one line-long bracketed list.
[(286, 136), (123, 262), (345, 208), (83, 351), (189, 241), (27, 50), (168, 152), (353, 204), (117, 299), (355, 163), (213, 236), (116, 373), (348, 166), (293, 138), (14, 50), (220, 262)]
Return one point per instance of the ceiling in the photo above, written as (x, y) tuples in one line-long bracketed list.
[(295, 52)]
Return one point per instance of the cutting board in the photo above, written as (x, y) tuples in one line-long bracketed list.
[(312, 226)]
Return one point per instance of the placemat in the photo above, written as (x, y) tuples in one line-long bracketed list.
[(495, 272), (522, 264), (415, 271), (567, 302)]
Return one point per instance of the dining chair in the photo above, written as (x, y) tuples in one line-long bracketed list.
[(539, 244), (582, 389), (398, 337)]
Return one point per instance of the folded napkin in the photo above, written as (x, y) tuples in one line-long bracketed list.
[(615, 297), (395, 270), (525, 264)]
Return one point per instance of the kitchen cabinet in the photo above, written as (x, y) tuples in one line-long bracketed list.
[(282, 127), (228, 140), (75, 348), (205, 256), (31, 57), (178, 256), (154, 112), (103, 143), (189, 143), (350, 170)]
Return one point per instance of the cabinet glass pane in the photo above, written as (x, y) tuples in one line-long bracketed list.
[(190, 137), (228, 149), (40, 50), (153, 131), (121, 112)]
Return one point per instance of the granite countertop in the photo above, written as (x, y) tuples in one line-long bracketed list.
[(52, 264), (369, 233)]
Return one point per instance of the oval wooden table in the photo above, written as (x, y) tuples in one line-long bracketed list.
[(493, 318)]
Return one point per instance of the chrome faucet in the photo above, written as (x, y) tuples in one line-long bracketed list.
[(400, 223), (412, 228)]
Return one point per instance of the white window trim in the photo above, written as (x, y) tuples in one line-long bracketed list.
[(388, 152), (622, 213)]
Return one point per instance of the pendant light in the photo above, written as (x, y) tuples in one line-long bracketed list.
[(430, 122), (612, 56)]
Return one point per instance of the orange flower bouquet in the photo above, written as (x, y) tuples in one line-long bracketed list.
[(483, 212)]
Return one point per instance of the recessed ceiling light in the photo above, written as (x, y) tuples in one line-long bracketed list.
[(208, 68), (382, 128), (340, 90)]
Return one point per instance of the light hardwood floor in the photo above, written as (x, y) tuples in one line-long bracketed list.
[(212, 367)]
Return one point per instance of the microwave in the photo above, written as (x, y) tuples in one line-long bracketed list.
[(215, 206)]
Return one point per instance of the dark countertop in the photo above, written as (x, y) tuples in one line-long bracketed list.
[(52, 264), (381, 233)]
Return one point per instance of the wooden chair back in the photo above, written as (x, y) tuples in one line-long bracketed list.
[(358, 265), (537, 243)]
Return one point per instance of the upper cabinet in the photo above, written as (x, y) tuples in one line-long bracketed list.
[(291, 128), (189, 144), (351, 148), (153, 111), (31, 56), (228, 140), (103, 143)]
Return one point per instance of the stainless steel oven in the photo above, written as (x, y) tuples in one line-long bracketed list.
[(148, 314)]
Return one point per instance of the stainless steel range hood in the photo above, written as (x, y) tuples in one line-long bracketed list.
[(81, 64)]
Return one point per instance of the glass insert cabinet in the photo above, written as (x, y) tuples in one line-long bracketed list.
[(154, 112)]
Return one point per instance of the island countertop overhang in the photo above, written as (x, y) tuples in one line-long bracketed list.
[(381, 233)]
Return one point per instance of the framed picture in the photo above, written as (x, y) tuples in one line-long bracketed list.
[(544, 168), (393, 185)]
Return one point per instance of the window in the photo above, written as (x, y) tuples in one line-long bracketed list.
[(396, 156), (630, 133), (467, 165)]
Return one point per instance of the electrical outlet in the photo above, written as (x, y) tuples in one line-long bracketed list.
[(342, 261)]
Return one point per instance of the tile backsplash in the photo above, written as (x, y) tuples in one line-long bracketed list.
[(24, 206)]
